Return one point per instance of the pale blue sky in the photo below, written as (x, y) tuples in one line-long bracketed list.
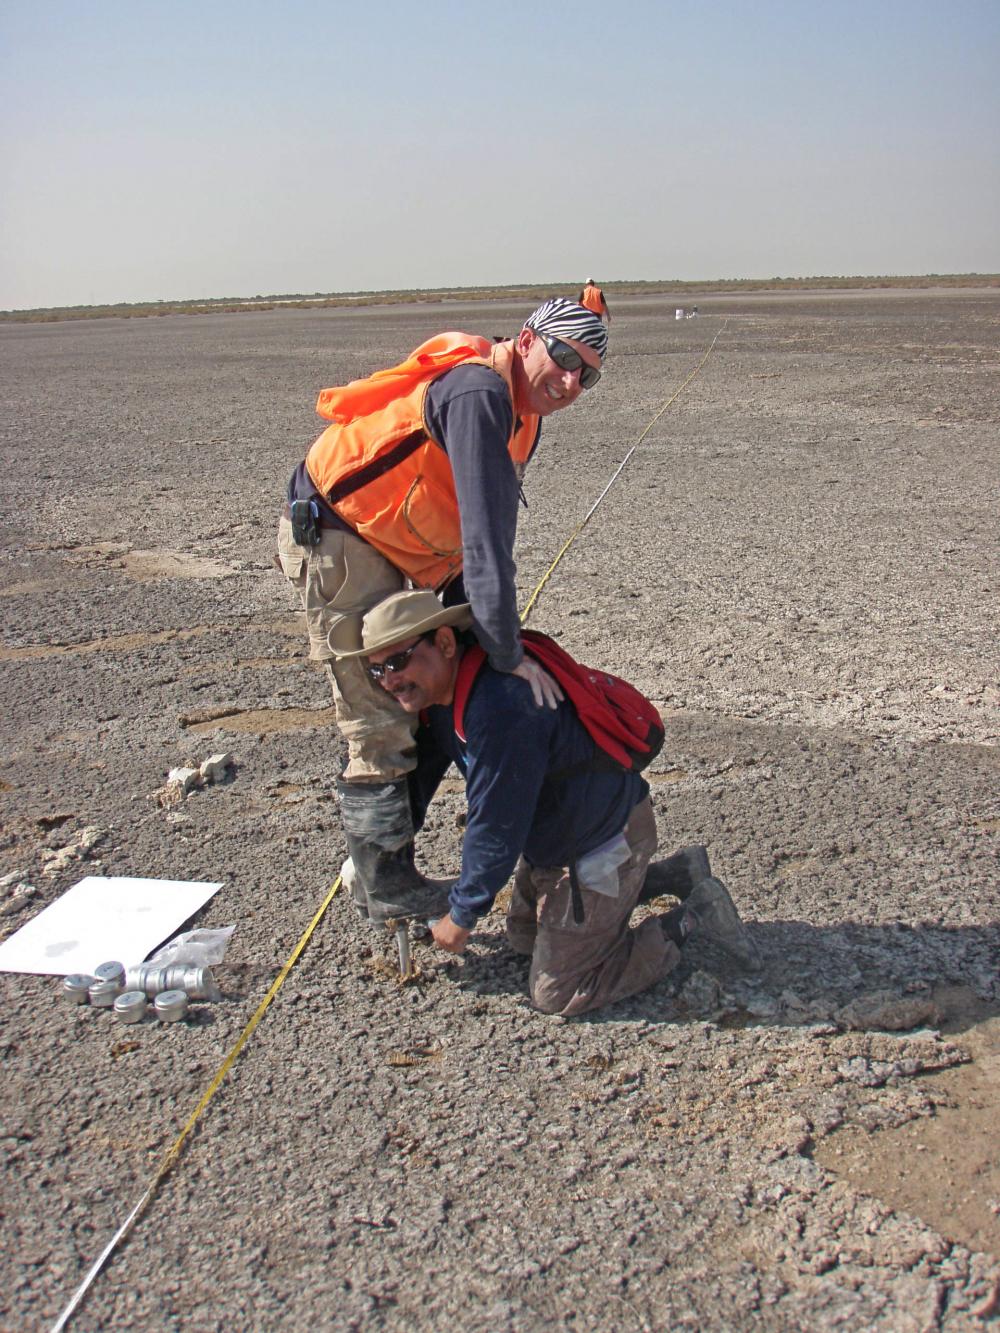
[(156, 151)]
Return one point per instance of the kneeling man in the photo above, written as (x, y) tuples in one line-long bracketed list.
[(536, 807)]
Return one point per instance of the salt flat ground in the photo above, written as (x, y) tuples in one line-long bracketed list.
[(799, 563)]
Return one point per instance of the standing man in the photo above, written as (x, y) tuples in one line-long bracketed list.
[(417, 480), (540, 808), (592, 298)]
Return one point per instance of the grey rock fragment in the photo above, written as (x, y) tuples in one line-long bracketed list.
[(185, 779), (16, 894), (867, 1073), (761, 1006), (61, 858), (702, 995), (886, 1011), (215, 767)]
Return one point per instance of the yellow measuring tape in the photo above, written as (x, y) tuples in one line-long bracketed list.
[(210, 1092), (293, 957)]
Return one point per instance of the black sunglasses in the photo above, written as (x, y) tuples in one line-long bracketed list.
[(568, 358), (398, 661)]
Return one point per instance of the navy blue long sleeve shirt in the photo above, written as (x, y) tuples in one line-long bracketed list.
[(469, 411), (512, 748)]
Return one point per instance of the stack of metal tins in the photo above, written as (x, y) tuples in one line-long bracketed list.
[(128, 992)]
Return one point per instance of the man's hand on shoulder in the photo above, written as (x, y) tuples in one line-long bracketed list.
[(449, 936), (544, 688)]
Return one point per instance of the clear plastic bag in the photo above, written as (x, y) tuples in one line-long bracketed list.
[(598, 870), (195, 948)]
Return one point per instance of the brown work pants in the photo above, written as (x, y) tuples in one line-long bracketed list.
[(344, 576), (575, 966)]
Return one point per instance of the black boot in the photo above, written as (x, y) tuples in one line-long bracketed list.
[(378, 826), (712, 913), (677, 925), (677, 875)]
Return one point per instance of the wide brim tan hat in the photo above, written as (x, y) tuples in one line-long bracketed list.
[(404, 615)]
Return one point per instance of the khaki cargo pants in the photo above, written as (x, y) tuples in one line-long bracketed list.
[(576, 967), (344, 576)]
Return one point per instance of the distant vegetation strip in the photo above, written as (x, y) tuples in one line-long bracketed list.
[(224, 305)]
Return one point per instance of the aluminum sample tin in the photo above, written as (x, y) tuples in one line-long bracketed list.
[(149, 978), (76, 987), (171, 1005), (104, 993), (130, 1006), (110, 972), (197, 982)]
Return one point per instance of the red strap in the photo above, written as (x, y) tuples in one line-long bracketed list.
[(468, 669)]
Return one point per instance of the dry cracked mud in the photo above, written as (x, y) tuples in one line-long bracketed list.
[(799, 563)]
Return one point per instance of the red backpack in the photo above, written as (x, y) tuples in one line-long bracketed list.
[(625, 727)]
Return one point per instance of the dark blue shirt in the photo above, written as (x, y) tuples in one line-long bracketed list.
[(515, 805)]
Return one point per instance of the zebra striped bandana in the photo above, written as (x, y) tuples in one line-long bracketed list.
[(565, 319)]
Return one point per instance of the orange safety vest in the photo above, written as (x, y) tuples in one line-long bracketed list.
[(593, 299), (379, 468)]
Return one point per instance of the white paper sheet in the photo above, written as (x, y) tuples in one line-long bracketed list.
[(103, 919)]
